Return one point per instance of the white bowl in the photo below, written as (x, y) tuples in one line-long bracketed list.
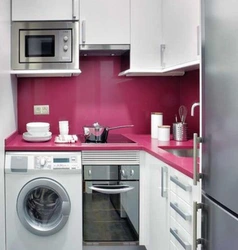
[(38, 128)]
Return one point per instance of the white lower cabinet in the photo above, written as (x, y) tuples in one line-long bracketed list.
[(167, 209), (182, 219), (157, 213)]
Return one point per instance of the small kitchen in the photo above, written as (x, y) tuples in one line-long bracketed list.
[(100, 65)]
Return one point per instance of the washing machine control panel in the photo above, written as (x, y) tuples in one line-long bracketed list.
[(57, 162)]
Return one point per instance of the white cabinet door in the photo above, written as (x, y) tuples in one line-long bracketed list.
[(45, 10), (158, 212), (105, 21), (181, 21), (145, 34)]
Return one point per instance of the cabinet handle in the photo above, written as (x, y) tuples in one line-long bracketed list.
[(196, 207), (185, 216), (198, 40), (185, 245), (74, 9), (111, 189), (196, 175), (162, 49), (164, 190), (186, 188), (123, 173), (84, 31), (89, 172)]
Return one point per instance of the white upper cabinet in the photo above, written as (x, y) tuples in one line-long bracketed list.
[(181, 20), (146, 28), (105, 21), (45, 10), (146, 39)]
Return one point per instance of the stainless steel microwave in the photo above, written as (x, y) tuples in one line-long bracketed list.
[(45, 45)]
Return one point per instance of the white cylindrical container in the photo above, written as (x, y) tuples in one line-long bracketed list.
[(63, 127), (156, 120), (164, 133)]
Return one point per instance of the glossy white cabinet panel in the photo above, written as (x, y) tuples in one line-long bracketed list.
[(181, 212), (182, 186), (181, 21), (157, 204), (105, 21), (183, 194), (45, 10), (146, 31), (180, 237)]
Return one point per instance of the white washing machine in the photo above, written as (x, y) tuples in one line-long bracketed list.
[(43, 201)]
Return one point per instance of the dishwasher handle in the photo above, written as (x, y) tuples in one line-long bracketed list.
[(111, 189)]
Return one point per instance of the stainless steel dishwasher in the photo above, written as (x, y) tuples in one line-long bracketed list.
[(111, 197)]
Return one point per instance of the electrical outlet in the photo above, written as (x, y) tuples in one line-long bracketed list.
[(41, 110), (45, 110), (37, 110)]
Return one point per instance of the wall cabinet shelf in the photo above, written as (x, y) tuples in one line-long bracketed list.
[(45, 73)]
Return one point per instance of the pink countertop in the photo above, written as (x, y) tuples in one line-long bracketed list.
[(142, 142)]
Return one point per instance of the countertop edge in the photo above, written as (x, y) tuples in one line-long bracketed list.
[(142, 142)]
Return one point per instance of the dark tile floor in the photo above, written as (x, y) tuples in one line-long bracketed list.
[(102, 223)]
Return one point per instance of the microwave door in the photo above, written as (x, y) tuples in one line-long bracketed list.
[(45, 46)]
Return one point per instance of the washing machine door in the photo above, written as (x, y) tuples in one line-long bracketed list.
[(43, 206)]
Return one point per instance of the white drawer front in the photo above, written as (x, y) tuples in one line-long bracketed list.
[(179, 236), (181, 212), (182, 186), (172, 246)]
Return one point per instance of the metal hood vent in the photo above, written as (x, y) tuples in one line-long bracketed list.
[(104, 49)]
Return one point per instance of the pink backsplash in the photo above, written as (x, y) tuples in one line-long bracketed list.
[(189, 94), (98, 94)]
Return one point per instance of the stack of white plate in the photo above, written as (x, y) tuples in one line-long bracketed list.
[(37, 131)]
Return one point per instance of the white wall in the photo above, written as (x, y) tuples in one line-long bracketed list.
[(8, 86)]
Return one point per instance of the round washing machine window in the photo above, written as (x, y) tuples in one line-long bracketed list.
[(43, 206)]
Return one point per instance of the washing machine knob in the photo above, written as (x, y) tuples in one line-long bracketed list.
[(42, 162)]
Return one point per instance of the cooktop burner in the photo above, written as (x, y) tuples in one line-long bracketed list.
[(112, 138)]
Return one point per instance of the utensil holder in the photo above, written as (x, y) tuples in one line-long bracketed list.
[(180, 131)]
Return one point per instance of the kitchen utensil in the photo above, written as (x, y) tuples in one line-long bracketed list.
[(183, 113), (176, 118), (98, 133), (180, 131)]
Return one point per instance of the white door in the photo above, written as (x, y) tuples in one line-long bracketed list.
[(105, 21)]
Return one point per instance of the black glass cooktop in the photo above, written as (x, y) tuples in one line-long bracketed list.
[(112, 138)]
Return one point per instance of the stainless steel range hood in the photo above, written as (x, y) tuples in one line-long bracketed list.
[(104, 49)]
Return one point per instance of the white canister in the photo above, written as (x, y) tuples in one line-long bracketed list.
[(164, 133), (156, 120), (63, 127)]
